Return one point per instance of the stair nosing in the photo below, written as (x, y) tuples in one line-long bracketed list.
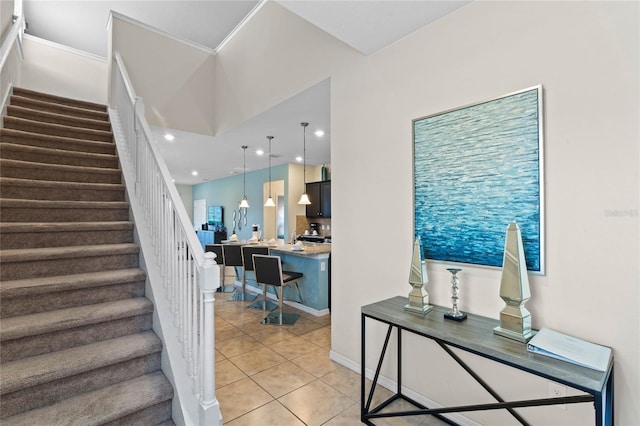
[(70, 129), (54, 138), (28, 372), (36, 227), (62, 204), (57, 283), (57, 99), (40, 323), (57, 151), (60, 167), (30, 183), (66, 252), (11, 109), (44, 104), (71, 415)]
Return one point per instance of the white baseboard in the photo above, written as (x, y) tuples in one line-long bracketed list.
[(392, 386), (299, 306)]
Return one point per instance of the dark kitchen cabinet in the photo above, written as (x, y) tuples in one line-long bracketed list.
[(320, 196)]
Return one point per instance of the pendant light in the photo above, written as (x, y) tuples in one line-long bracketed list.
[(244, 203), (304, 199), (269, 202)]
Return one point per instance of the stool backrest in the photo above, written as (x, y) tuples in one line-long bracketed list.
[(247, 255), (217, 249), (268, 269), (232, 254)]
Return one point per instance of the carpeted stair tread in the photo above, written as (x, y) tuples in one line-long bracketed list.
[(41, 171), (21, 227), (47, 97), (56, 118), (62, 204), (57, 129), (28, 372), (36, 104), (63, 319), (45, 285), (57, 156), (100, 406), (71, 144), (40, 254), (52, 184)]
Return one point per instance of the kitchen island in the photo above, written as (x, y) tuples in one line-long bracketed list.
[(314, 262)]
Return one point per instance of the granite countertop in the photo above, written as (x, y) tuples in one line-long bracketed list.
[(309, 249)]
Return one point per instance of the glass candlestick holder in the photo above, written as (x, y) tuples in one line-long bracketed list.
[(455, 314)]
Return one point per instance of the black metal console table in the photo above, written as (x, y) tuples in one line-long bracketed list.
[(475, 335)]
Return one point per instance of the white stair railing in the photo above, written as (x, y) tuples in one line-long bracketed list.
[(183, 278)]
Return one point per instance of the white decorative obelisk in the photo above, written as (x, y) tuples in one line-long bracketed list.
[(418, 296), (515, 319)]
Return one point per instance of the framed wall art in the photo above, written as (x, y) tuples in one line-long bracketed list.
[(476, 169)]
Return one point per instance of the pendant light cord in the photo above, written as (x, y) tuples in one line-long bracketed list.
[(244, 171), (304, 154), (269, 137)]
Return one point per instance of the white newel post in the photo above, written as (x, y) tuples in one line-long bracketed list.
[(209, 406)]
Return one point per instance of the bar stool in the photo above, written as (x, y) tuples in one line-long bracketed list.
[(233, 257), (269, 271), (219, 252), (247, 259)]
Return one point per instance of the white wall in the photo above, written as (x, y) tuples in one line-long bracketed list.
[(186, 194), (6, 14), (52, 68), (586, 56), (174, 79)]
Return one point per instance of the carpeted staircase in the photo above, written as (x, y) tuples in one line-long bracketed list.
[(76, 345)]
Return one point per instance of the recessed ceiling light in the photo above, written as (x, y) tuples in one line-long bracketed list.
[(299, 159), (194, 173), (259, 152), (319, 133), (169, 137)]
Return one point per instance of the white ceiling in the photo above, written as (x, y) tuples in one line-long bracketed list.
[(365, 25)]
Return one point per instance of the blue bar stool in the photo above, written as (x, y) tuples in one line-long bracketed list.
[(269, 271)]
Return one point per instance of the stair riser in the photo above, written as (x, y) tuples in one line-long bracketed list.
[(50, 158), (65, 120), (18, 91), (154, 415), (55, 267), (54, 391), (54, 130), (58, 109), (37, 303), (50, 342), (54, 174), (60, 193), (23, 214), (28, 139)]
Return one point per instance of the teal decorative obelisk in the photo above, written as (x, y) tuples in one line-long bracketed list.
[(515, 319), (418, 296)]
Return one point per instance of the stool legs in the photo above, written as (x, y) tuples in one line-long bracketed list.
[(280, 318), (243, 295)]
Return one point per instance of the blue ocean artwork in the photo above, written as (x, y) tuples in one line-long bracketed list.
[(477, 169)]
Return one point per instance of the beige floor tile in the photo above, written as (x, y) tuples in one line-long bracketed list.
[(238, 346), (321, 337), (241, 397), (345, 381), (272, 334), (252, 325), (349, 417), (256, 361), (272, 413), (293, 347), (402, 405), (315, 403), (227, 373), (304, 325), (324, 320), (228, 333), (282, 379), (219, 356), (316, 362)]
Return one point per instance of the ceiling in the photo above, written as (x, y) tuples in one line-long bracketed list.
[(367, 26)]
